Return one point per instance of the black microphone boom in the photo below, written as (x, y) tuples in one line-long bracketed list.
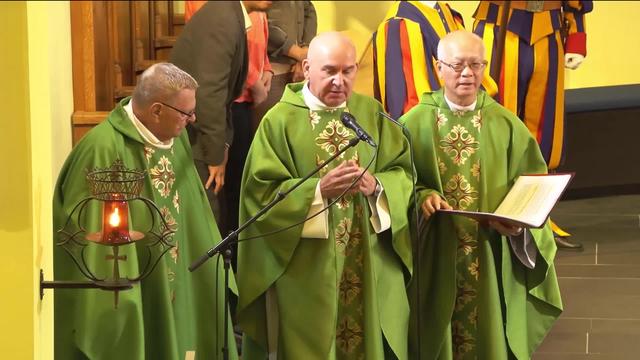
[(349, 121)]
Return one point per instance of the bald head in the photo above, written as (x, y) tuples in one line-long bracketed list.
[(330, 68), (331, 42), (459, 39)]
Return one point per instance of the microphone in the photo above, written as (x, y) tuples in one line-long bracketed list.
[(349, 121)]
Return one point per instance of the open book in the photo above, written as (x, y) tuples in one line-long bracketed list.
[(528, 203)]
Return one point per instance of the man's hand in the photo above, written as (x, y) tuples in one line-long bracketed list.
[(432, 204), (298, 74), (266, 80), (216, 174), (367, 184), (572, 61), (339, 179), (505, 229), (258, 92), (299, 53)]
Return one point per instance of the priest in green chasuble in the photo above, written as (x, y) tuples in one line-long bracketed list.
[(172, 314), (333, 287), (486, 292)]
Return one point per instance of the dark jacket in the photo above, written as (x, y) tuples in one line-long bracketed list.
[(213, 49), (290, 22)]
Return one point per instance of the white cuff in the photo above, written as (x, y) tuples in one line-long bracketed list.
[(317, 227), (524, 248), (379, 205)]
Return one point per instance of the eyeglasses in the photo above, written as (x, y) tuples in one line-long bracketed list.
[(459, 67), (188, 115)]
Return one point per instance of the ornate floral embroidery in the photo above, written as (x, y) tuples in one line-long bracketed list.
[(459, 113), (466, 242), (171, 275), (319, 162), (342, 234), (176, 202), (349, 335), (474, 268), (358, 210), (475, 170), (350, 286), (473, 317), (347, 239), (441, 119), (168, 217), (477, 120), (459, 144), (459, 193), (466, 293), (162, 176), (148, 152), (334, 137), (344, 202), (174, 252), (356, 157), (442, 168), (355, 237), (463, 341), (314, 118)]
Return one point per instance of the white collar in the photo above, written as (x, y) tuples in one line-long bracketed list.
[(455, 107), (313, 103), (147, 135), (247, 19)]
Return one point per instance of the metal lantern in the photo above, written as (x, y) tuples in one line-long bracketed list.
[(114, 191)]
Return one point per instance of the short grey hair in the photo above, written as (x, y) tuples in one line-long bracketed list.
[(160, 82)]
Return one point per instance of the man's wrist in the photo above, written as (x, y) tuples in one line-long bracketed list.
[(377, 190)]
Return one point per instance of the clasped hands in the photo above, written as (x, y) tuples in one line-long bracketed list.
[(337, 180), (434, 203)]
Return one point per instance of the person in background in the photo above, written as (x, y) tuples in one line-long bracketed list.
[(255, 91), (542, 38), (213, 49), (404, 53), (292, 25)]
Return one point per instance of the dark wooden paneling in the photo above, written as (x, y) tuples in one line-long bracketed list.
[(112, 43), (601, 148)]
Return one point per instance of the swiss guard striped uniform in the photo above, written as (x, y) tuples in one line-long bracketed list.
[(531, 82), (405, 53)]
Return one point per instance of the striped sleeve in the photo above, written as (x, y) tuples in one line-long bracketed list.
[(574, 14)]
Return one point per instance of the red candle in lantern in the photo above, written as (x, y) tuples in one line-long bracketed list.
[(115, 222)]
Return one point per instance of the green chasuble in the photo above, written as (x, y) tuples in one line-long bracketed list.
[(341, 297), (171, 312), (478, 301)]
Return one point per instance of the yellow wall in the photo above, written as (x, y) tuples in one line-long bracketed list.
[(37, 103), (16, 227), (613, 36)]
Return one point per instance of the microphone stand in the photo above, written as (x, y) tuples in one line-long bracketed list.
[(224, 246), (407, 134)]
